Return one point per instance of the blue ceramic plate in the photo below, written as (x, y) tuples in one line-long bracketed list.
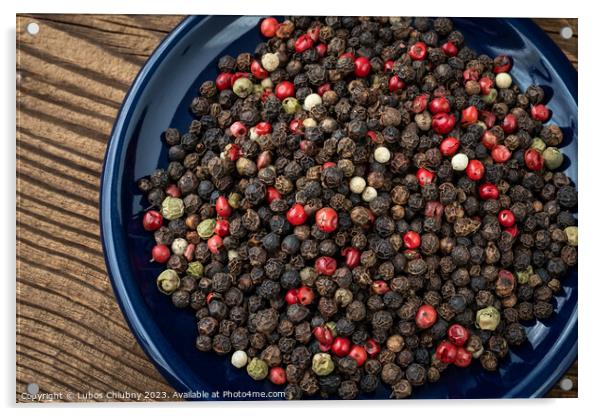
[(159, 98)]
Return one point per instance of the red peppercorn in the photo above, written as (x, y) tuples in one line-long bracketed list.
[(323, 88), (389, 65), (540, 112), (324, 347), (463, 358), (325, 265), (372, 135), (502, 63), (263, 128), (347, 55), (486, 84), (215, 243), (488, 191), (443, 123), (189, 252), (328, 165), (411, 240), (264, 159), (424, 176), (277, 375), (449, 146), (209, 297), (372, 347), (303, 43), (269, 26), (305, 295), (417, 51), (296, 126), (284, 89), (321, 48), (160, 253), (469, 115), (533, 159), (352, 257), (449, 49), (419, 103), (314, 33), (475, 170), (433, 209), (173, 191), (222, 207), (513, 231), (258, 71), (396, 84), (489, 140), (488, 118), (509, 124), (457, 334), (380, 287), (323, 335), (501, 153), (291, 296), (152, 220), (237, 75), (439, 105), (506, 218), (296, 215), (222, 228), (232, 151), (446, 352), (265, 94), (359, 354), (362, 67), (470, 74), (237, 129), (272, 194), (327, 219), (426, 316), (341, 346), (223, 81)]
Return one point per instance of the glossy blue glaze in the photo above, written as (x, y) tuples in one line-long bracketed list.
[(159, 99)]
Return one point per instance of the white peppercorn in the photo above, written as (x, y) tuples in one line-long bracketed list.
[(357, 184), (503, 80), (459, 162)]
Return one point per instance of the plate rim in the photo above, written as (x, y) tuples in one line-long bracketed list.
[(130, 308)]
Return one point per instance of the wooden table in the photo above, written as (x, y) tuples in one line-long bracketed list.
[(71, 78)]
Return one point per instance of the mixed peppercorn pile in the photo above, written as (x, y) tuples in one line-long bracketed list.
[(363, 201)]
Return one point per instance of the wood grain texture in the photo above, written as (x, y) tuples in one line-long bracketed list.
[(72, 77)]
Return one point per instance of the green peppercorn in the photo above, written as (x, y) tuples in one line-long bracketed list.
[(291, 105), (491, 97), (257, 369), (258, 90), (242, 87), (195, 269), (488, 318), (172, 208), (524, 275), (234, 200), (553, 158), (168, 281), (571, 235), (538, 144), (322, 364), (206, 227)]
